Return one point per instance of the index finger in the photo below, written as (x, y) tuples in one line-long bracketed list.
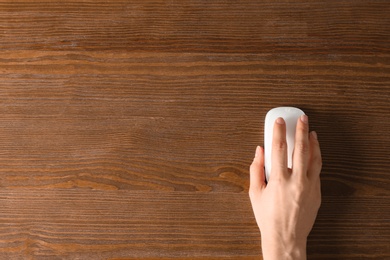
[(279, 149)]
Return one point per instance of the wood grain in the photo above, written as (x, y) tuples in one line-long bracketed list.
[(71, 224), (198, 26), (127, 127), (80, 224), (183, 121)]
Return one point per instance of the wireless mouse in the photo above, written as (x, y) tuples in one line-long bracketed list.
[(290, 116)]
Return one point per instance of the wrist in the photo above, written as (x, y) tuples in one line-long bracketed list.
[(281, 249)]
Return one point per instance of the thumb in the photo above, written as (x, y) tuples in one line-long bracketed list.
[(256, 171)]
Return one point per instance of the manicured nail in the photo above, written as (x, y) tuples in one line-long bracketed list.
[(304, 119), (257, 154), (280, 121), (314, 134)]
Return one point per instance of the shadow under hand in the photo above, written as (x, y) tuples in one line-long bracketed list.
[(332, 230)]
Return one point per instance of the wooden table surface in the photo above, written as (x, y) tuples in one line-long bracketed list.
[(127, 128)]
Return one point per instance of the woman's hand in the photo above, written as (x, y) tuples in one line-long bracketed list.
[(286, 207)]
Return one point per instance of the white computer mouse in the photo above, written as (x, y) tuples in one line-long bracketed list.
[(290, 116)]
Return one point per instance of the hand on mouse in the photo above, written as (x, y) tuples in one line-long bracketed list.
[(286, 207)]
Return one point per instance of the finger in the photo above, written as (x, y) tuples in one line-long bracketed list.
[(256, 171), (318, 189), (301, 153), (279, 149), (315, 164)]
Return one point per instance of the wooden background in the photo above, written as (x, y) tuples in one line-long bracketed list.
[(127, 128)]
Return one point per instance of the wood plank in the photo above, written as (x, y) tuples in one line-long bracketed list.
[(351, 228), (185, 122), (127, 127), (75, 224), (71, 224), (197, 26)]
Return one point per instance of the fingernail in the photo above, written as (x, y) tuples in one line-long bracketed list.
[(314, 134), (304, 119), (257, 154), (280, 121)]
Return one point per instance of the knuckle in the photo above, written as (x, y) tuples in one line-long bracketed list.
[(279, 145), (302, 128), (299, 188), (302, 147)]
